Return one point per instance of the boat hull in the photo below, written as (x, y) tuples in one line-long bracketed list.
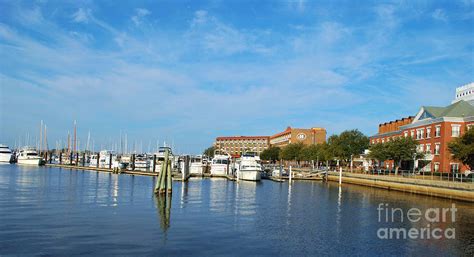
[(35, 161), (6, 158), (249, 175)]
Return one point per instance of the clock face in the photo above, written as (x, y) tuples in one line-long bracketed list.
[(301, 136)]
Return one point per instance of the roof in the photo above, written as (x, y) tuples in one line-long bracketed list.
[(459, 109), (287, 130), (241, 137)]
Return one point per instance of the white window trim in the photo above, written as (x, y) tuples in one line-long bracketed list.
[(436, 129), (452, 130)]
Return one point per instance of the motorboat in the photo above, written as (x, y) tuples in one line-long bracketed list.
[(197, 165), (6, 154), (142, 162), (220, 163), (249, 167), (105, 159), (29, 156), (160, 157)]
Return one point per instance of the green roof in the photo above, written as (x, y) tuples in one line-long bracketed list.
[(458, 109)]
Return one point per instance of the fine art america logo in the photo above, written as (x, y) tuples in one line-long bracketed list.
[(432, 223)]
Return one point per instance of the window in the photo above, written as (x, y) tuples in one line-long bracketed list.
[(454, 168), (437, 148), (421, 148), (412, 133), (405, 133), (428, 132), (438, 131), (436, 167), (428, 148), (383, 140), (455, 130)]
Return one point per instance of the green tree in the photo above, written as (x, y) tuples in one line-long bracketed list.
[(348, 143), (209, 151), (398, 149), (462, 148), (271, 154), (292, 152)]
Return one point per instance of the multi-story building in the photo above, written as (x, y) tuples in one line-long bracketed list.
[(237, 145), (433, 128), (297, 135)]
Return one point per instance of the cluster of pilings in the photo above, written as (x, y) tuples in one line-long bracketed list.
[(164, 182)]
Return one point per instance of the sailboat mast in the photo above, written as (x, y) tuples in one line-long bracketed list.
[(75, 139)]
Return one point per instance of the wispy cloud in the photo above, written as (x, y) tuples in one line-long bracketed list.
[(439, 14), (140, 14)]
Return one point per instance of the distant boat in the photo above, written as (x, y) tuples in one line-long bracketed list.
[(160, 157), (220, 163), (142, 162), (197, 165), (29, 156), (6, 154), (249, 167)]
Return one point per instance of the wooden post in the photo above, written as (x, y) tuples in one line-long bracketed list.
[(110, 161), (290, 174), (70, 158), (77, 159), (98, 158), (60, 158), (168, 179), (154, 162), (340, 175), (46, 157), (83, 159), (133, 161)]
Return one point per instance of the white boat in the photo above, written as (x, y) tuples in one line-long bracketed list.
[(249, 167), (160, 157), (220, 163), (142, 162), (104, 159), (6, 154), (29, 156), (197, 165)]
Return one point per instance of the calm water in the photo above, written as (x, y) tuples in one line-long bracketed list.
[(54, 211)]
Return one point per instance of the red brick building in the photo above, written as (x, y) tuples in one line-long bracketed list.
[(236, 145), (434, 128)]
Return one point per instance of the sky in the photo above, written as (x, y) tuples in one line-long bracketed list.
[(185, 72)]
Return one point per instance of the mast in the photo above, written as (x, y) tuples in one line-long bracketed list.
[(41, 138), (88, 141), (45, 138), (75, 139), (68, 143)]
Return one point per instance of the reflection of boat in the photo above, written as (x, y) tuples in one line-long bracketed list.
[(6, 154), (29, 156), (249, 167), (220, 163)]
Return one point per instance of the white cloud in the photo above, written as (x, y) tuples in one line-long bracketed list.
[(440, 15), (82, 15), (140, 14)]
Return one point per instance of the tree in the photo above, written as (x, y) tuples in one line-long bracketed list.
[(462, 148), (209, 151), (292, 152), (398, 149), (347, 144), (271, 154)]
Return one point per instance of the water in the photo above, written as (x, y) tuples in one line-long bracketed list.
[(51, 211)]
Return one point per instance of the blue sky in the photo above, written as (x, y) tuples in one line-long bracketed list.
[(188, 71)]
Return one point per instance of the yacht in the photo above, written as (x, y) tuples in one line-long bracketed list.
[(104, 159), (197, 165), (142, 162), (220, 163), (29, 156), (249, 167), (160, 157), (6, 154)]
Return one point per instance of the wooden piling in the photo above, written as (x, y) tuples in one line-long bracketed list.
[(98, 157), (110, 161), (154, 162), (83, 159), (77, 159), (60, 158)]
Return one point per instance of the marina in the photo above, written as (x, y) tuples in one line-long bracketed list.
[(119, 214)]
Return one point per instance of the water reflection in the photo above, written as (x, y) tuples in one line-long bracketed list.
[(163, 206)]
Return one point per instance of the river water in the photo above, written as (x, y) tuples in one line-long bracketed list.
[(52, 211)]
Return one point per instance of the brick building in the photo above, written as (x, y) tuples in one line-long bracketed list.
[(433, 128), (296, 135), (236, 145)]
